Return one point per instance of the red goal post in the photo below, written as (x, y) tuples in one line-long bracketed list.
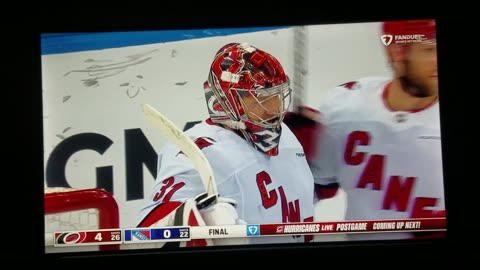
[(80, 209)]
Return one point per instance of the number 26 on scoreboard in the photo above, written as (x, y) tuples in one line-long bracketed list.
[(113, 237)]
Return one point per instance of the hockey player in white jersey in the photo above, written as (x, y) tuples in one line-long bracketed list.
[(379, 138), (260, 168)]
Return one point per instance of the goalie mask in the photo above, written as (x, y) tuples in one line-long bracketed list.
[(247, 90)]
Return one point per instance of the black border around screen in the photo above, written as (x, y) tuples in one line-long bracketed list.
[(29, 128)]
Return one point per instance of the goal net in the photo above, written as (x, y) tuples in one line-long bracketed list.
[(68, 209)]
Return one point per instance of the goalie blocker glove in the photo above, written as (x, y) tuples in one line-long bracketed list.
[(218, 211)]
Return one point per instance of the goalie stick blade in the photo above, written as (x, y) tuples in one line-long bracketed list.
[(185, 144)]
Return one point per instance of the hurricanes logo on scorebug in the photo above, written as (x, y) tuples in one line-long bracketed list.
[(70, 238), (301, 228), (387, 39)]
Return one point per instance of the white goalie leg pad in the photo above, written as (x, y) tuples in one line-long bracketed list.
[(223, 213)]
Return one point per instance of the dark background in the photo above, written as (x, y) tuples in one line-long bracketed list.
[(24, 189)]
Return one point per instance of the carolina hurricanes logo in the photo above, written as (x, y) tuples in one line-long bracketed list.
[(70, 237), (387, 39)]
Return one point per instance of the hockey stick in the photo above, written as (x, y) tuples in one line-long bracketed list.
[(186, 145)]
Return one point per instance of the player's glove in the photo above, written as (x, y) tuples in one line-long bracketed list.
[(217, 210), (220, 211)]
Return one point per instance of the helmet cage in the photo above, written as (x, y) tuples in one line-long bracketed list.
[(238, 109), (265, 96)]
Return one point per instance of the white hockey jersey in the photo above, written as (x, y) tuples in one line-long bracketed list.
[(389, 163), (277, 189)]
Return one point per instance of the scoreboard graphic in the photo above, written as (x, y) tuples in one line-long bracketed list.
[(97, 237), (167, 234), (187, 233)]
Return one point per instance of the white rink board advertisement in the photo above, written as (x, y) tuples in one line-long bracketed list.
[(95, 133)]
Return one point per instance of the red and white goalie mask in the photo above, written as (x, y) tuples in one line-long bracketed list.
[(248, 90)]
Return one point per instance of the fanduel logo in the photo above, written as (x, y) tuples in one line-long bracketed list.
[(253, 230), (387, 39)]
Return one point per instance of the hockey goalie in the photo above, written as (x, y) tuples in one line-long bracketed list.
[(259, 166)]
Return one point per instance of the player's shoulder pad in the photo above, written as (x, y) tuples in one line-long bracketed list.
[(213, 143), (352, 85), (204, 141), (201, 142), (340, 98), (203, 135), (363, 83)]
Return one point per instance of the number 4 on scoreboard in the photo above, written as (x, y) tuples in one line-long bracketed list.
[(88, 237), (113, 237), (104, 237), (98, 237)]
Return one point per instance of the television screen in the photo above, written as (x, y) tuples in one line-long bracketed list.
[(205, 138)]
